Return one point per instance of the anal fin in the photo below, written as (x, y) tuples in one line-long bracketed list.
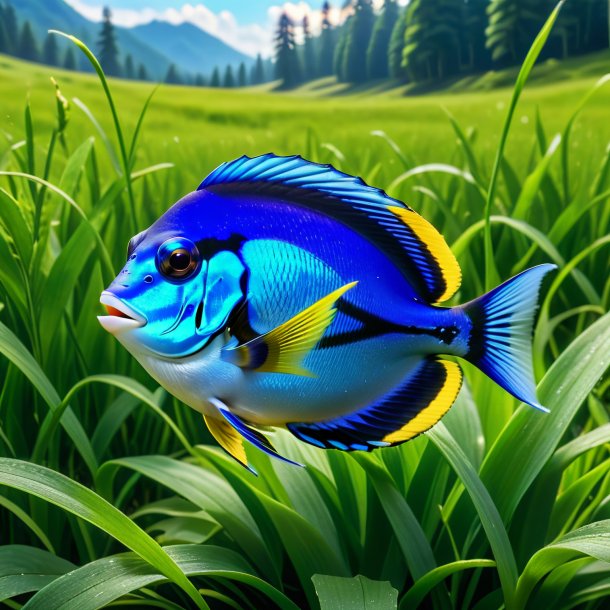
[(230, 431), (282, 349), (424, 396)]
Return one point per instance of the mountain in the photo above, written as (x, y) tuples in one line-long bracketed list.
[(156, 45), (46, 15), (189, 47)]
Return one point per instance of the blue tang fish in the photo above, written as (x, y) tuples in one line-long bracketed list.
[(288, 294)]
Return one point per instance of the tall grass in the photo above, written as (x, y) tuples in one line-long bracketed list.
[(498, 506)]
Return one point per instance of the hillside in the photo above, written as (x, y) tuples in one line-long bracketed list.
[(156, 45), (257, 120)]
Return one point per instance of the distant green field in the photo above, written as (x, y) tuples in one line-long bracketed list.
[(199, 128)]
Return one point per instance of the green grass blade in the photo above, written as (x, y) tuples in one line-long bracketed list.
[(422, 587), (24, 569), (485, 507), (16, 352), (358, 593), (115, 117), (491, 273), (86, 504), (531, 437), (592, 540), (106, 580)]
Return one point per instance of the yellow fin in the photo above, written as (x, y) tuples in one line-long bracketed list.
[(228, 438), (437, 407), (282, 349), (440, 256)]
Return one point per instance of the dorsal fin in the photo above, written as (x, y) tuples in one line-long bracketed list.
[(350, 200)]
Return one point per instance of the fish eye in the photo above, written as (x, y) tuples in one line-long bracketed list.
[(177, 258)]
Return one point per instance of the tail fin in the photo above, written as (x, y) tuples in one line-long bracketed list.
[(501, 338)]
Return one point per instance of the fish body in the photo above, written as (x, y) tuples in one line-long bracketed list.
[(285, 293)]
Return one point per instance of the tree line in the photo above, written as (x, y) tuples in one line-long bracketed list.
[(19, 40), (431, 40)]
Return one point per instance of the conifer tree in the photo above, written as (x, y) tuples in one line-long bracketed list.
[(339, 52), (173, 77), (309, 56), (286, 59), (142, 72), (130, 70), (242, 79), (108, 51), (432, 39), (513, 25), (474, 54), (228, 80), (258, 71), (70, 59), (4, 38), (397, 44), (215, 80), (27, 49), (327, 43), (358, 37), (11, 28), (378, 49), (49, 51)]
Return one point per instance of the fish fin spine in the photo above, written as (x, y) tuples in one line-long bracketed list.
[(500, 342), (283, 349), (443, 262)]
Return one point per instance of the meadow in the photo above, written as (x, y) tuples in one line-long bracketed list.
[(113, 493)]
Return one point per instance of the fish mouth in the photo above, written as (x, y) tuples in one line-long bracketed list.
[(120, 316)]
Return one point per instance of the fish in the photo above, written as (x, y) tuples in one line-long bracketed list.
[(283, 293)]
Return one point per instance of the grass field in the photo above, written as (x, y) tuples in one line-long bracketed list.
[(499, 506)]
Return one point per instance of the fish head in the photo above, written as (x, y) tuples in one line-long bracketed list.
[(169, 300)]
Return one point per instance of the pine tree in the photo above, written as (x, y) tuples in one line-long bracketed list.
[(397, 44), (432, 49), (242, 79), (27, 49), (377, 52), (339, 54), (309, 56), (11, 28), (474, 54), (358, 37), (173, 77), (4, 38), (108, 51), (286, 60), (228, 80), (513, 25), (142, 72), (215, 80), (130, 70), (199, 80), (49, 51), (70, 59), (258, 71), (327, 43)]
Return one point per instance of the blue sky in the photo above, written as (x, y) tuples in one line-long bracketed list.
[(246, 10)]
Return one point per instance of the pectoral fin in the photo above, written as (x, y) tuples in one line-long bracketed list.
[(230, 431), (283, 349)]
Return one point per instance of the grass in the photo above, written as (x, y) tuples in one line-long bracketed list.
[(498, 506)]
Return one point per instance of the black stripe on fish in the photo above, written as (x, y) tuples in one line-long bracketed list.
[(211, 246), (375, 326)]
